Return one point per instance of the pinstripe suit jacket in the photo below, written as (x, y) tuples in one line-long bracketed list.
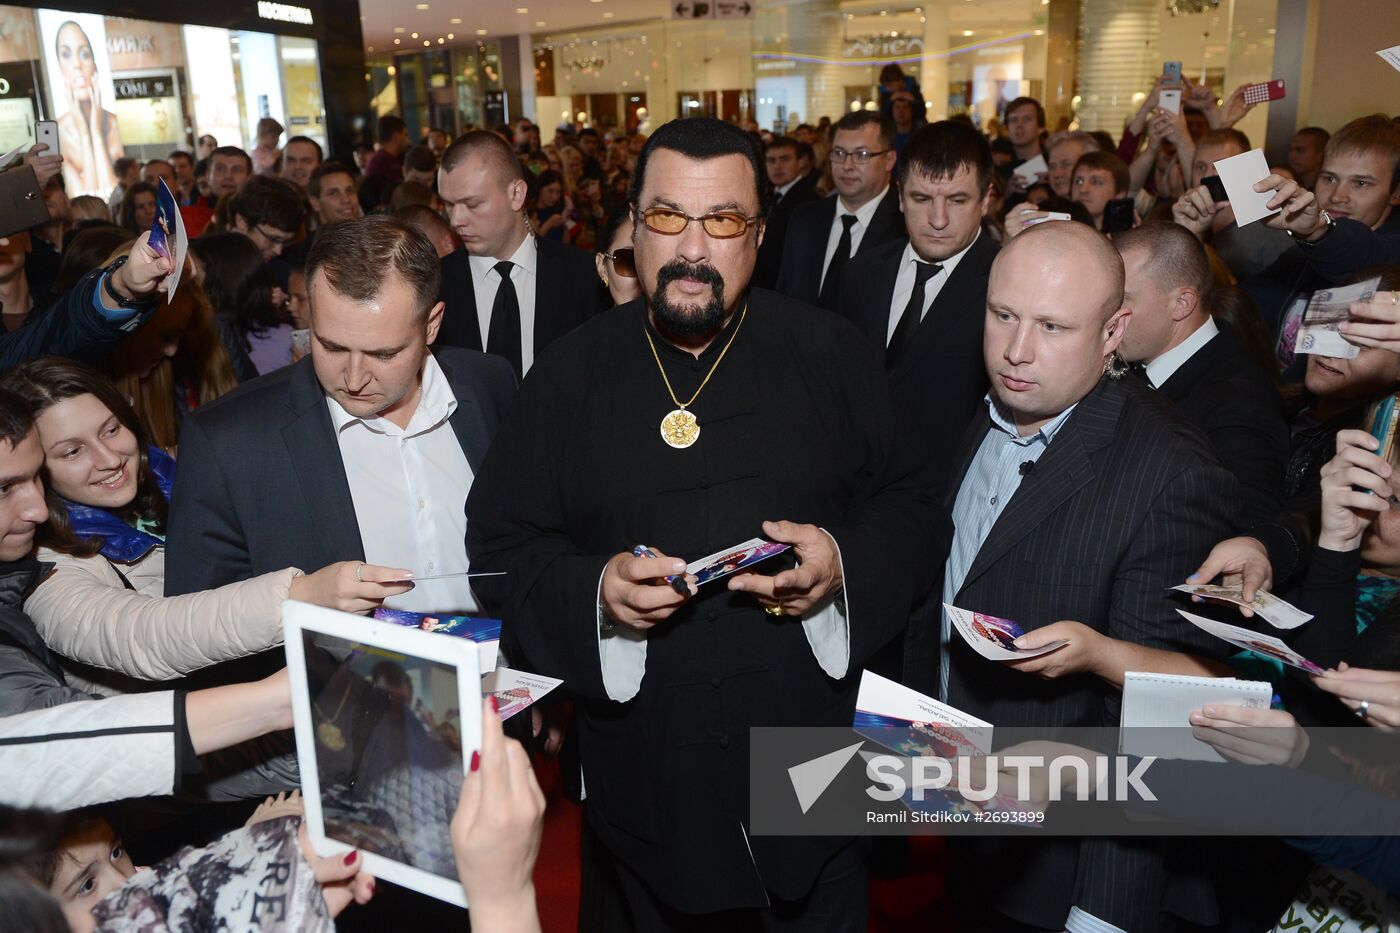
[(1125, 502)]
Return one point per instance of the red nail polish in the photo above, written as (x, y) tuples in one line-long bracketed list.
[(495, 704), (350, 859), (476, 759)]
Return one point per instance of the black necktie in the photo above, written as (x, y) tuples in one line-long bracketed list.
[(899, 340), (503, 336), (831, 284)]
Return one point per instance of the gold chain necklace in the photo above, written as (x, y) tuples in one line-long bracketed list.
[(328, 732), (679, 428)]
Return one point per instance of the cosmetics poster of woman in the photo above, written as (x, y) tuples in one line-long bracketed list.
[(80, 81)]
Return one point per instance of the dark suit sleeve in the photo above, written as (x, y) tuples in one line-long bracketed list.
[(71, 328), (788, 269), (205, 546), (516, 523), (897, 532), (1350, 247), (1193, 511), (1247, 432)]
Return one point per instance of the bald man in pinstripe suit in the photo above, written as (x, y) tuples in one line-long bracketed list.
[(1081, 497)]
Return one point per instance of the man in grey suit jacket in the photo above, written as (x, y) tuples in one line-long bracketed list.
[(1075, 497), (264, 480)]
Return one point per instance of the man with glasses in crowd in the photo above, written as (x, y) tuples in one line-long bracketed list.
[(669, 423), (269, 212), (863, 214), (508, 292)]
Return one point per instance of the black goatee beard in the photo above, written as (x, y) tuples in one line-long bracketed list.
[(687, 323)]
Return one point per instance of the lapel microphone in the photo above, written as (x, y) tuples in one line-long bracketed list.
[(1026, 467)]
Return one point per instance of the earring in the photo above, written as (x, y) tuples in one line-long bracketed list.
[(605, 281), (1115, 367)]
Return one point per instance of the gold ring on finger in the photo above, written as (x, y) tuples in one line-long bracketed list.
[(358, 568)]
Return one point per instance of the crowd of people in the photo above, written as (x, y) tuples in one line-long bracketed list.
[(584, 363)]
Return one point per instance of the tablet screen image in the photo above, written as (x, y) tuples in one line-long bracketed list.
[(385, 721)]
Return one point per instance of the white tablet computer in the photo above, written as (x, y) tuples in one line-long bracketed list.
[(386, 719)]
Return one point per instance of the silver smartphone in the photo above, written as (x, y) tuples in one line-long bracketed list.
[(46, 132)]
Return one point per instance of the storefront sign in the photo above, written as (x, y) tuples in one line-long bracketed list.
[(132, 87), (284, 12), (886, 46)]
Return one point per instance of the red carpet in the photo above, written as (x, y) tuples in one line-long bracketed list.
[(910, 901)]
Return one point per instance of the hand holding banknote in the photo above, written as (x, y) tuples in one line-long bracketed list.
[(1375, 323)]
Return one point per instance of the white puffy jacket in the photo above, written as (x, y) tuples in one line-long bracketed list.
[(85, 612), (80, 754)]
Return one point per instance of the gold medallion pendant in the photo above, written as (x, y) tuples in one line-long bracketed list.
[(680, 429), (331, 736)]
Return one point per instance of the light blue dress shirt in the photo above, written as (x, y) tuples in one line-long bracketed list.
[(992, 479)]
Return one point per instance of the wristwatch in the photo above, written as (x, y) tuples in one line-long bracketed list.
[(129, 303), (1328, 221)]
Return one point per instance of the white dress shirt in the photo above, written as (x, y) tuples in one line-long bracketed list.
[(486, 282), (409, 486), (904, 283), (1162, 368), (862, 215)]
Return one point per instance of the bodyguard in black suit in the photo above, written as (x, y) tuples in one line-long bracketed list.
[(859, 217), (1198, 364), (922, 301), (507, 292), (791, 189), (1076, 497), (262, 481)]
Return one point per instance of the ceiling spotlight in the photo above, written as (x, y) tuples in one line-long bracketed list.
[(415, 35), (522, 9), (450, 37), (396, 41), (441, 40), (426, 43), (481, 32), (967, 32)]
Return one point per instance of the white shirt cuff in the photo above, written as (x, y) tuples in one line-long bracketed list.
[(1081, 921), (828, 629), (622, 654)]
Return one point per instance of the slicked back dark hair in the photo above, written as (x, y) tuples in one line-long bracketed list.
[(358, 256), (939, 149), (856, 120), (15, 418), (704, 138)]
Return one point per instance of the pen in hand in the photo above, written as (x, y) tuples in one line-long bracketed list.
[(677, 581)]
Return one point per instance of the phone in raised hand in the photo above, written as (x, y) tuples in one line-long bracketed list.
[(1171, 74), (46, 132), (1264, 91)]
